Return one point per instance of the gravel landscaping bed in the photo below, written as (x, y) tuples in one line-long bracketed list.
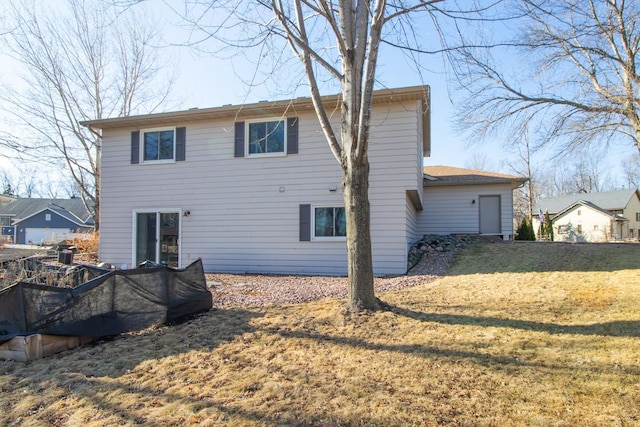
[(255, 290)]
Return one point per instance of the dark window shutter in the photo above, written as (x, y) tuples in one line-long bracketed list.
[(292, 135), (239, 140), (181, 137), (305, 223), (135, 147)]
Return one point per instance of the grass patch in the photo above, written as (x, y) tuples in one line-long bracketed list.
[(516, 334)]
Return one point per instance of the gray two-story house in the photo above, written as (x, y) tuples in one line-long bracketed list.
[(255, 188)]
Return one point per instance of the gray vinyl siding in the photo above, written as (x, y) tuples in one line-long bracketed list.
[(449, 209), (240, 220)]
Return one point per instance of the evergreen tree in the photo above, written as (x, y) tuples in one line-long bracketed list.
[(525, 230), (548, 226)]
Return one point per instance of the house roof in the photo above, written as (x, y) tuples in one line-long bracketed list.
[(609, 200), (71, 209), (267, 108), (589, 205), (437, 176)]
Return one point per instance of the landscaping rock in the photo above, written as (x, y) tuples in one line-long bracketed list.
[(435, 243)]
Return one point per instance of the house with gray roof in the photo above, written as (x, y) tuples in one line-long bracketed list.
[(593, 217), (37, 221)]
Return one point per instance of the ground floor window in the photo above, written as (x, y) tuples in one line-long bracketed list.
[(329, 222), (157, 235)]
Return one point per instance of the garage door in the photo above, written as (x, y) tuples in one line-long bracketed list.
[(46, 235), (490, 215)]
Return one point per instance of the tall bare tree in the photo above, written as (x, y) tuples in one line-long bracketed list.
[(570, 66), (631, 169), (79, 60), (334, 41), (521, 162)]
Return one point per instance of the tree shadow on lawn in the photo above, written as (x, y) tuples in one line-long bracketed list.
[(426, 351), (620, 328), (150, 397), (215, 328), (119, 354)]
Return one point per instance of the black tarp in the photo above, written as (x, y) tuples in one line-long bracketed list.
[(118, 301)]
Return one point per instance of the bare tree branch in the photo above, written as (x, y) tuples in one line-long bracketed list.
[(83, 61), (580, 84)]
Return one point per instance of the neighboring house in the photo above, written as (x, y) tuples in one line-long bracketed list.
[(585, 222), (37, 221), (255, 187), (593, 217), (468, 201)]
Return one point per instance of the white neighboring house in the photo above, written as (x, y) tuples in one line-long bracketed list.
[(593, 217), (466, 201), (585, 222)]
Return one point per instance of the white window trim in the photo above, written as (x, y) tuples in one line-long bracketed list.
[(134, 228), (47, 217), (313, 226), (141, 145), (264, 120)]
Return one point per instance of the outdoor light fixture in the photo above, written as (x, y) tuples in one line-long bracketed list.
[(473, 201), (186, 213)]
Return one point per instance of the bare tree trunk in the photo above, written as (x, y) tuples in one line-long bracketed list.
[(356, 27), (355, 190)]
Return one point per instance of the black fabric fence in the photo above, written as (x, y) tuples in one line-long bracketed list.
[(118, 301)]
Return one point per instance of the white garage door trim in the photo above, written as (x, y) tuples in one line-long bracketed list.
[(46, 235)]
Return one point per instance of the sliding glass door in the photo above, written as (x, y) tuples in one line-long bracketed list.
[(157, 237)]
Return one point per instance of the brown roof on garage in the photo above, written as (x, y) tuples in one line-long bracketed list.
[(437, 176)]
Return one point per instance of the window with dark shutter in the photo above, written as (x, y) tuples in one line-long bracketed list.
[(305, 223), (239, 140), (264, 138), (181, 137), (292, 135), (135, 147)]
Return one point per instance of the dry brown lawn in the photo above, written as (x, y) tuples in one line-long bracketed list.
[(516, 334)]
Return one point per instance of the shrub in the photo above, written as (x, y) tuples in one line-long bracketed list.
[(525, 230), (87, 245)]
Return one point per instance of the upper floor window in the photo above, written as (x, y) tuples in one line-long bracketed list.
[(266, 137), (47, 217), (158, 145), (637, 216), (329, 222)]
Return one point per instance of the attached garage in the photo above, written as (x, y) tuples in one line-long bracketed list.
[(466, 201)]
